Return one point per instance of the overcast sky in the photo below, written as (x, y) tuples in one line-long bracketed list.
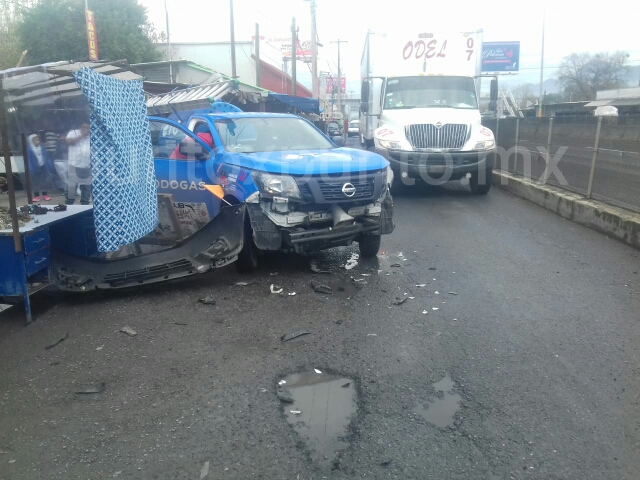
[(609, 26)]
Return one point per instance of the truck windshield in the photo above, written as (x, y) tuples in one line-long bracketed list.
[(423, 92), (264, 134)]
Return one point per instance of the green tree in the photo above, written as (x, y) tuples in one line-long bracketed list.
[(583, 74), (10, 15), (54, 30)]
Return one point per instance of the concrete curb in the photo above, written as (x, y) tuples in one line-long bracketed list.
[(611, 221)]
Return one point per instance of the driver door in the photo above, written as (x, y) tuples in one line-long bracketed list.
[(184, 167)]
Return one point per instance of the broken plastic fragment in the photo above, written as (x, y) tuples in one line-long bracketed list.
[(365, 274), (282, 382), (435, 308), (317, 371), (412, 298), (291, 294), (296, 334), (205, 470), (129, 331), (372, 334), (400, 301), (358, 279), (100, 347), (208, 300), (452, 293), (352, 262), (396, 265), (295, 412), (437, 292), (276, 288), (421, 285), (424, 312), (320, 288), (89, 391)]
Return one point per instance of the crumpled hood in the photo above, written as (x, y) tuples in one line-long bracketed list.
[(310, 162)]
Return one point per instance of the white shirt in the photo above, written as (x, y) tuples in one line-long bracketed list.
[(79, 152)]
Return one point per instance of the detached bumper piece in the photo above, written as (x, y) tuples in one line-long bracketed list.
[(215, 245)]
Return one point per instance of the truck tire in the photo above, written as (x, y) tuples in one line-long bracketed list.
[(369, 245), (248, 257), (481, 189)]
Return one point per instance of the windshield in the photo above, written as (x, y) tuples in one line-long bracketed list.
[(263, 134), (422, 92), (354, 124)]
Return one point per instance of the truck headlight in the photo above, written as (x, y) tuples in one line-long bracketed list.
[(277, 185), (389, 144), (486, 145)]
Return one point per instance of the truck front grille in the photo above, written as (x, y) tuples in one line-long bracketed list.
[(427, 135)]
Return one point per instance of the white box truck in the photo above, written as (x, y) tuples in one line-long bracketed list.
[(420, 107)]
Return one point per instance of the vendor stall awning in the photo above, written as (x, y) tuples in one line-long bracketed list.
[(307, 105), (202, 96)]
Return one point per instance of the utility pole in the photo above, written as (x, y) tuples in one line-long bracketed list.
[(233, 42), (257, 51), (166, 13), (294, 55), (541, 65), (314, 52), (339, 76)]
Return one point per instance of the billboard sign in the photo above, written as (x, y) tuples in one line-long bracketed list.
[(500, 57), (92, 35), (332, 84)]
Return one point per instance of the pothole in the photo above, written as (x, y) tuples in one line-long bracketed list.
[(322, 409), (442, 409)]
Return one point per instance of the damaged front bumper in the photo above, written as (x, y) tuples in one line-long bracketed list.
[(279, 225), (214, 246)]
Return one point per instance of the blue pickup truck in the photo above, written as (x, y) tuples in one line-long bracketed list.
[(303, 191)]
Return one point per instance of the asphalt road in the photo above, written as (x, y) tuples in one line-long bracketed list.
[(536, 358)]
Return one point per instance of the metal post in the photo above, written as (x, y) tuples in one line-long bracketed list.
[(166, 13), (257, 52), (594, 158), (541, 65), (547, 171), (27, 172), (234, 74), (294, 56), (515, 169), (314, 52), (13, 210)]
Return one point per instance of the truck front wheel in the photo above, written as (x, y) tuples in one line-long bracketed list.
[(369, 245), (481, 187)]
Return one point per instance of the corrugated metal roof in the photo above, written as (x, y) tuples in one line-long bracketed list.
[(616, 102)]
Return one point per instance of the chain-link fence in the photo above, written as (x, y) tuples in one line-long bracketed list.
[(595, 156)]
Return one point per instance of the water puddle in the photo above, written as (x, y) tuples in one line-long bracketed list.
[(323, 406), (441, 410)]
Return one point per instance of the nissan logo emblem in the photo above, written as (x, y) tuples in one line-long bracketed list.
[(349, 190)]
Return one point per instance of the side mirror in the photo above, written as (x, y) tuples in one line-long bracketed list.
[(364, 92), (364, 107), (494, 90), (193, 150), (339, 141)]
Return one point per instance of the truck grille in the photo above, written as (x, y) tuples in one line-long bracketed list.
[(332, 191), (427, 135)]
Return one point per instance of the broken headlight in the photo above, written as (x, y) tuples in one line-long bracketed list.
[(387, 179), (277, 185)]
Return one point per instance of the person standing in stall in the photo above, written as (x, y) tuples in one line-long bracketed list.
[(79, 165), (41, 168)]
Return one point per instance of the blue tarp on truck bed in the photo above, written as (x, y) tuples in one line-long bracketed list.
[(307, 105)]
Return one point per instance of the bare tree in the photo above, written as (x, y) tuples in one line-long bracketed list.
[(583, 74)]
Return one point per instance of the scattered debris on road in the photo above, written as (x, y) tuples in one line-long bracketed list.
[(180, 323), (99, 348), (205, 470), (396, 265), (208, 300), (315, 269), (436, 292), (452, 293), (295, 412), (421, 285), (282, 382), (372, 334), (321, 288), (296, 334), (292, 294), (339, 322), (92, 390), (352, 262), (317, 371), (386, 463), (432, 268), (276, 288), (129, 331), (424, 312), (400, 301), (435, 308), (242, 284), (284, 395), (60, 340)]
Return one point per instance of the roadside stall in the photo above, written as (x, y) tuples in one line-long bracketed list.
[(127, 234)]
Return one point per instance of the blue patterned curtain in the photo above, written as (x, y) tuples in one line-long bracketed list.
[(125, 204)]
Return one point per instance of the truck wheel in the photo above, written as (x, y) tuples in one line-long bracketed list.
[(248, 257), (369, 245), (481, 189)]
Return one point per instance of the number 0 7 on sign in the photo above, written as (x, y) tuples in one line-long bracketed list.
[(92, 35)]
